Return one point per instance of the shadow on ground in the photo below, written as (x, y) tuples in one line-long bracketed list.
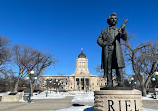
[(77, 105), (89, 109)]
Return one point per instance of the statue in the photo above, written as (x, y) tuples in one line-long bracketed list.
[(112, 57)]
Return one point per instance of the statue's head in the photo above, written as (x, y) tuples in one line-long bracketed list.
[(112, 20)]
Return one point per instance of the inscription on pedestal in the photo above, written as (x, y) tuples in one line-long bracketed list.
[(112, 100), (128, 105)]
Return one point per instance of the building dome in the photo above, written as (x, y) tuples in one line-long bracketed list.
[(81, 65), (82, 55)]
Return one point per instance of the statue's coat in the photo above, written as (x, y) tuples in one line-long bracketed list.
[(118, 60)]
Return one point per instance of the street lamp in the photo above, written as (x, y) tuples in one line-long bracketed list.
[(23, 86), (57, 84), (155, 81), (133, 83), (155, 78), (50, 86), (30, 77), (47, 81)]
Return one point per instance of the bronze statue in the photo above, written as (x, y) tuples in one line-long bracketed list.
[(112, 57)]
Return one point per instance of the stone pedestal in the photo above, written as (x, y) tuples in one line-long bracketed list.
[(12, 98), (117, 100)]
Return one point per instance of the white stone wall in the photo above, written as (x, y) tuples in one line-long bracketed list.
[(81, 66)]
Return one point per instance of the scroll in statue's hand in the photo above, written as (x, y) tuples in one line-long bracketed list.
[(122, 29)]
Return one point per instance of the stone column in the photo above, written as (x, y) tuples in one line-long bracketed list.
[(84, 84), (118, 100), (74, 83), (89, 84)]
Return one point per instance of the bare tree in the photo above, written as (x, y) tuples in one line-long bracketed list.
[(144, 60), (98, 69), (25, 58), (5, 55), (45, 60)]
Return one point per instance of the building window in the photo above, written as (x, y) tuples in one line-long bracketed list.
[(87, 82), (77, 80)]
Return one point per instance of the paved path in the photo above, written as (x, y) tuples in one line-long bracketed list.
[(38, 105), (151, 104), (54, 104)]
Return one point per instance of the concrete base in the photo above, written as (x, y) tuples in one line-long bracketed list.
[(12, 98), (117, 100)]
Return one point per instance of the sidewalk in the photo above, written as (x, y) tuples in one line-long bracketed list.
[(56, 104), (38, 105), (150, 104)]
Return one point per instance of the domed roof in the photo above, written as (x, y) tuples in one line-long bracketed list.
[(82, 55)]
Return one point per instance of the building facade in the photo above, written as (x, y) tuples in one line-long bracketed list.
[(80, 80)]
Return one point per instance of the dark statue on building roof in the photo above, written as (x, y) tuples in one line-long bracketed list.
[(112, 57)]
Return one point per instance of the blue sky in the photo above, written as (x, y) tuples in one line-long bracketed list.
[(63, 27)]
